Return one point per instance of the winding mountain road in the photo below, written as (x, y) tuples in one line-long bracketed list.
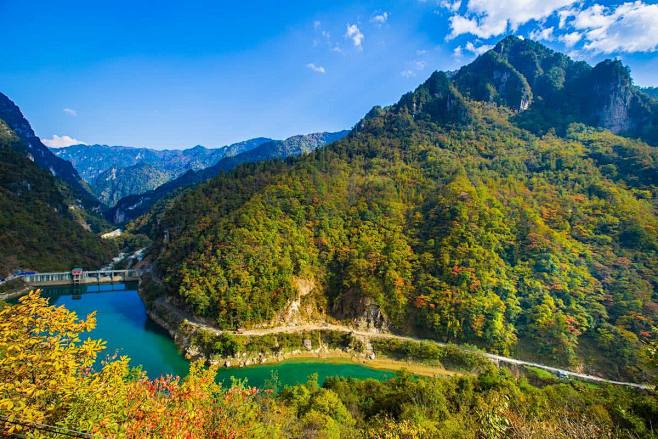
[(372, 334)]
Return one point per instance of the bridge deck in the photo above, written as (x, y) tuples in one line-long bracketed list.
[(87, 277)]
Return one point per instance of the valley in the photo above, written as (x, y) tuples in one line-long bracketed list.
[(477, 259)]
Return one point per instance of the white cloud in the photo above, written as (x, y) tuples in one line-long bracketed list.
[(477, 50), (461, 25), (354, 34), (70, 112), (485, 18), (472, 48), (408, 73), (61, 141), (571, 38), (380, 18), (316, 68), (630, 27), (545, 34), (585, 27), (451, 5)]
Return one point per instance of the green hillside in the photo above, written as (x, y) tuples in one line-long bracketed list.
[(38, 228), (470, 211)]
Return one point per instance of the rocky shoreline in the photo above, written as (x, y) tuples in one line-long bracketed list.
[(182, 332)]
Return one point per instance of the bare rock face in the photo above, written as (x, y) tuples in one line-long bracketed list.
[(612, 96), (372, 317), (301, 308), (364, 313)]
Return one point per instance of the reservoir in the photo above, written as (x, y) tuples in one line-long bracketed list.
[(122, 322)]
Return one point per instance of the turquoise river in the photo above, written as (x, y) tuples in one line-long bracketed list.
[(122, 322)]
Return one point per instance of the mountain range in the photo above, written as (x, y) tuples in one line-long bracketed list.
[(511, 204), (133, 206), (114, 172)]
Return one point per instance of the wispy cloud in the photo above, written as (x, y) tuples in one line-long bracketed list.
[(413, 68), (354, 33), (70, 112), (545, 34), (316, 68), (61, 141), (451, 5), (472, 48), (381, 18)]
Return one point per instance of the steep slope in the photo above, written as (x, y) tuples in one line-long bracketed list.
[(32, 148), (93, 160), (440, 217), (38, 230), (133, 206), (115, 183)]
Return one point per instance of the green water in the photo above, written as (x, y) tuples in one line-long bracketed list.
[(122, 322)]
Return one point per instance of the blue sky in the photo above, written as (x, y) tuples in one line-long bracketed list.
[(175, 74)]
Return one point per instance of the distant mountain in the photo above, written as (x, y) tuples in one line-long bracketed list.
[(92, 160), (133, 206), (39, 227), (651, 91), (115, 183), (30, 146)]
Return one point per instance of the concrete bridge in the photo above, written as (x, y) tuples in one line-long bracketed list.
[(81, 277)]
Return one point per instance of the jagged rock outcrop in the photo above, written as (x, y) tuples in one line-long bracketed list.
[(364, 313), (437, 98), (550, 90)]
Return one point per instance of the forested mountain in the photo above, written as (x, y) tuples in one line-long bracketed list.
[(39, 229), (96, 162), (133, 206), (32, 148), (494, 206)]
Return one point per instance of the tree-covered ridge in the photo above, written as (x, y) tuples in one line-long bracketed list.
[(38, 228), (446, 217)]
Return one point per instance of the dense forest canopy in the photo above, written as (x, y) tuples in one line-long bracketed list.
[(476, 209)]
